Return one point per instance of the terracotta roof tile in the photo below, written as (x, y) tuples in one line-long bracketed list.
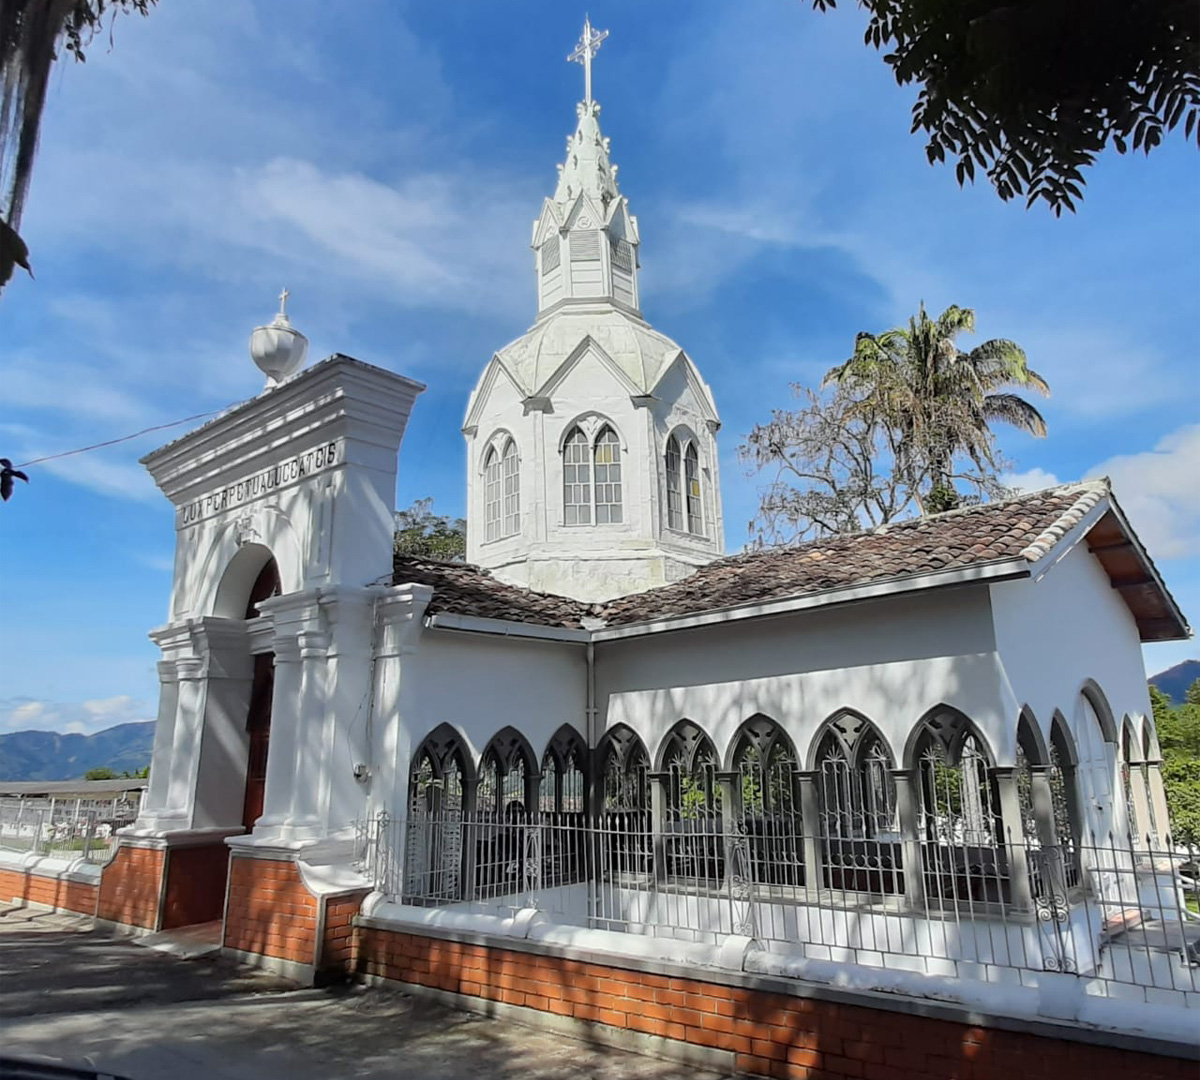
[(1024, 527)]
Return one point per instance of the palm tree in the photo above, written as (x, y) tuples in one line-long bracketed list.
[(939, 400)]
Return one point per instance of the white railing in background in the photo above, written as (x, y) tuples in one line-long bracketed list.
[(67, 827), (1121, 919)]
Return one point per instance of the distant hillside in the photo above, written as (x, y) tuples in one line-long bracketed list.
[(47, 755), (1175, 680)]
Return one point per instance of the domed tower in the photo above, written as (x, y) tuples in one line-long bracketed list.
[(591, 440)]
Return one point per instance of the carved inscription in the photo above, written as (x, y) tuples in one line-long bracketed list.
[(260, 484)]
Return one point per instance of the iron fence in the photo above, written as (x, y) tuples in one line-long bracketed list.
[(79, 828), (1122, 918)]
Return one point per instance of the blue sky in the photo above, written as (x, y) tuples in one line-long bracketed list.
[(385, 162)]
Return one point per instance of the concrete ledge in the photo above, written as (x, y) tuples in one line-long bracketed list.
[(701, 1057), (304, 974), (47, 866), (1183, 1048)]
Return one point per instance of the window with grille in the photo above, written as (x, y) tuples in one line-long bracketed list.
[(674, 485), (691, 469), (492, 480), (512, 490), (577, 479), (608, 478)]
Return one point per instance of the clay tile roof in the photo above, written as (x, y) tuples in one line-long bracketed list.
[(1025, 527), (463, 589)]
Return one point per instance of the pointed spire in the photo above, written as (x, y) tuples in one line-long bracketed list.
[(587, 168)]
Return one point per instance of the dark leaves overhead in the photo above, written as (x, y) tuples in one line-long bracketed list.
[(1030, 91)]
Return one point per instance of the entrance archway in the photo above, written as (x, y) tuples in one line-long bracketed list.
[(258, 717)]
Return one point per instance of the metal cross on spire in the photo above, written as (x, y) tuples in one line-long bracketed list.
[(588, 46), (283, 299)]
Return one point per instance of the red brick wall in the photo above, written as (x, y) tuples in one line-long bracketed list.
[(337, 945), (772, 1035), (195, 885), (131, 885), (41, 889), (270, 912)]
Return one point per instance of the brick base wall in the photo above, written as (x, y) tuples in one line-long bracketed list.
[(270, 912), (131, 886), (772, 1035), (195, 891), (28, 888)]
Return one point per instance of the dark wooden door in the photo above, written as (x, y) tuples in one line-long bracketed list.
[(258, 725)]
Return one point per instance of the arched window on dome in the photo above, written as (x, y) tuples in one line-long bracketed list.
[(577, 479), (691, 476), (492, 476), (674, 485), (608, 477), (512, 490)]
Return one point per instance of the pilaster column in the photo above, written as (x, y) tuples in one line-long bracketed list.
[(658, 823), (314, 735), (1053, 866), (281, 749), (164, 737), (185, 741), (1141, 807), (810, 824), (1158, 801), (906, 781), (1012, 839)]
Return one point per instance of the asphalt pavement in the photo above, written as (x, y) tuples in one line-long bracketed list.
[(77, 996)]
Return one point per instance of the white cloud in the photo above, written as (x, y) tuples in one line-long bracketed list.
[(1030, 480), (82, 717), (1160, 491)]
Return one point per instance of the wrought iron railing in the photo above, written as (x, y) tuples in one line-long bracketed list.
[(1123, 919), (80, 828)]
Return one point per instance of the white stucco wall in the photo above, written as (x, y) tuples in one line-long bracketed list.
[(478, 684), (890, 660)]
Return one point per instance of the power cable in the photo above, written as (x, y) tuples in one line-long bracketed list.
[(127, 438)]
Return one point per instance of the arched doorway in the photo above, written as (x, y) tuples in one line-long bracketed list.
[(258, 717)]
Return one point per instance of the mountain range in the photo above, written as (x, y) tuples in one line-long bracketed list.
[(47, 755), (1175, 680)]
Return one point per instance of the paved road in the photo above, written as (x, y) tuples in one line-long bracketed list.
[(74, 995)]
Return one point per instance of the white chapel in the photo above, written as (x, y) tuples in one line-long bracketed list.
[(918, 760), (591, 439)]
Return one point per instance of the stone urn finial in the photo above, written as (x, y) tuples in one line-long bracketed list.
[(279, 349)]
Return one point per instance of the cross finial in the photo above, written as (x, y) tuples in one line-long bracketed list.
[(283, 299), (589, 45)]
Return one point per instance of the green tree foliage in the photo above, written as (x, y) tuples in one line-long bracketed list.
[(31, 35), (1178, 729), (903, 426), (101, 773), (420, 533), (1031, 91)]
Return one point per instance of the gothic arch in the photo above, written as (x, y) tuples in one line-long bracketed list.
[(506, 743), (1150, 748), (848, 727), (1030, 738), (690, 737), (1131, 744), (591, 423), (497, 442), (1099, 703), (1063, 741), (620, 768), (764, 734), (441, 744), (562, 742), (950, 727)]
